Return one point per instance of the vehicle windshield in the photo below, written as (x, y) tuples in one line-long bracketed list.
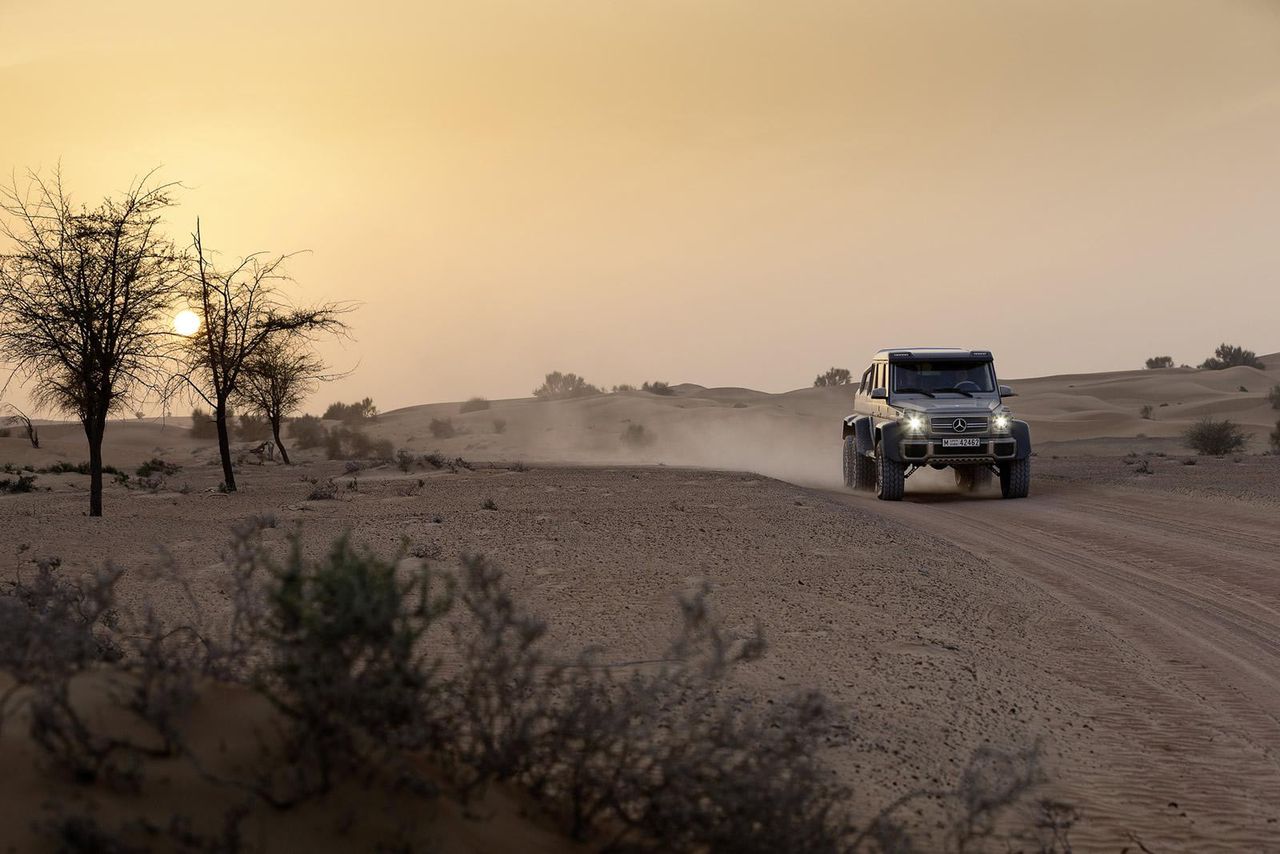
[(959, 376)]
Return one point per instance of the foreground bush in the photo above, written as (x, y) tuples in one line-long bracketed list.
[(1216, 438), (1275, 439), (347, 650)]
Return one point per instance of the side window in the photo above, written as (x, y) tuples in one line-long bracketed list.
[(865, 387), (880, 374)]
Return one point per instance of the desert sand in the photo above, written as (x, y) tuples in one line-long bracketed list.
[(1129, 622)]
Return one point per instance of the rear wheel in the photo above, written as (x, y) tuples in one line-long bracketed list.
[(859, 472), (891, 477), (1015, 478), (972, 478)]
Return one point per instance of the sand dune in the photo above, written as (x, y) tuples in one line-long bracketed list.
[(793, 435)]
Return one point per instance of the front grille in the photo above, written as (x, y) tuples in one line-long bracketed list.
[(946, 424), (939, 450)]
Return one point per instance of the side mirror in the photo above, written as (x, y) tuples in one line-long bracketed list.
[(879, 394), (1005, 391)]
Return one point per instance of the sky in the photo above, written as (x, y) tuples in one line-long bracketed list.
[(726, 192)]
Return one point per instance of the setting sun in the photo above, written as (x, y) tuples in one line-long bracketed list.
[(186, 322)]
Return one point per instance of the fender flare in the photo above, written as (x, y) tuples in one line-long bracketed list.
[(1021, 433), (890, 435), (860, 427)]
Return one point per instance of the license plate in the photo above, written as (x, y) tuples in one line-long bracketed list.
[(971, 442)]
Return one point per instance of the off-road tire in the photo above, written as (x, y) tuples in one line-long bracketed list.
[(972, 478), (891, 477), (859, 472), (1015, 478)]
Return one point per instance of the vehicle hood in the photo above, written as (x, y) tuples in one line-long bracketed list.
[(959, 406)]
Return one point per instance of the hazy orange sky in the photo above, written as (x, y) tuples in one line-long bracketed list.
[(727, 192)]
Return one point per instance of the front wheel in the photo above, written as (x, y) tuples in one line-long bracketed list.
[(891, 477), (1015, 478)]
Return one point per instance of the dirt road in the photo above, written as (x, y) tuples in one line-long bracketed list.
[(1166, 623)]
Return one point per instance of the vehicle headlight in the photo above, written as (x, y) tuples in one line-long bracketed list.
[(1001, 422), (914, 423)]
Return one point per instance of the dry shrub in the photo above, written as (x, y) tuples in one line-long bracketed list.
[(663, 756), (157, 466), (475, 404), (23, 483), (556, 386), (1216, 438)]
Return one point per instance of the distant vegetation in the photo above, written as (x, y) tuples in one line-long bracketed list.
[(1274, 396), (442, 428), (475, 404), (252, 428), (658, 387), (352, 413), (1231, 356), (624, 387), (833, 376), (636, 436), (1146, 411), (557, 386), (307, 431), (1275, 438), (1216, 438), (202, 425), (1157, 362)]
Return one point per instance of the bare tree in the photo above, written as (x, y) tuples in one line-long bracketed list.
[(84, 298), (241, 312), (279, 377), (21, 419)]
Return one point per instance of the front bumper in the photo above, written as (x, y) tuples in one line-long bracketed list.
[(930, 449)]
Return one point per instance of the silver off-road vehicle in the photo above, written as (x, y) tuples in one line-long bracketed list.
[(937, 407)]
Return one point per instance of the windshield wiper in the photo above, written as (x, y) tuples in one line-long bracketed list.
[(914, 391), (956, 390)]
